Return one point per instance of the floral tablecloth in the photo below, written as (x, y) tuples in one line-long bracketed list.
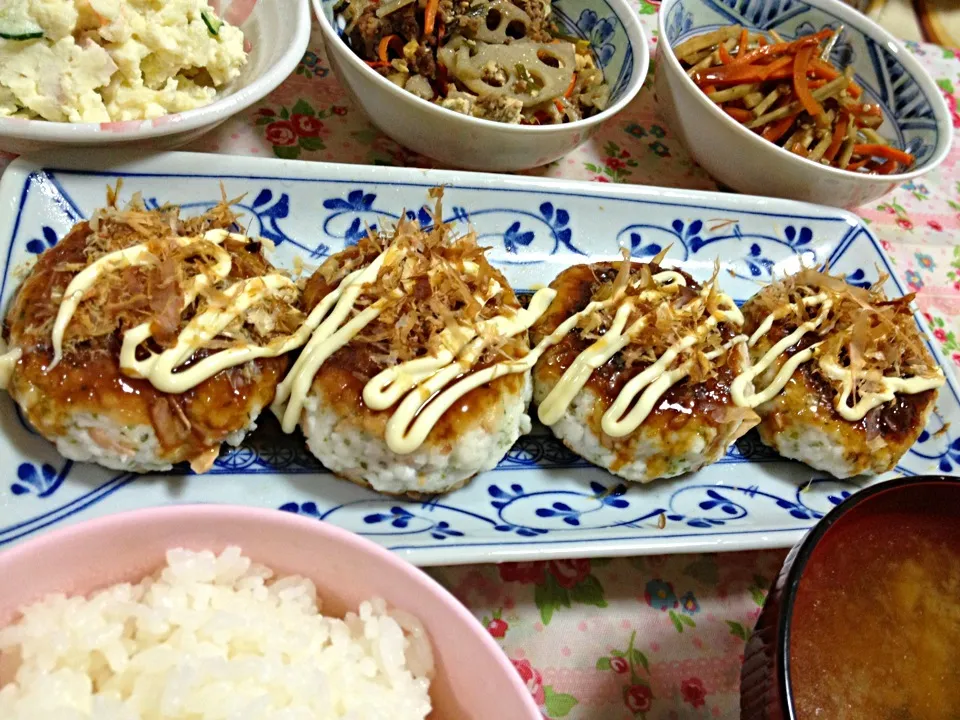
[(654, 637)]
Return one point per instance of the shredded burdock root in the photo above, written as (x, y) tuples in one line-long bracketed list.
[(672, 310), (154, 292), (436, 282), (862, 331)]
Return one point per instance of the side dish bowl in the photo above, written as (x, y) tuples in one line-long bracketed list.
[(914, 112), (276, 34), (473, 680), (900, 534), (618, 44)]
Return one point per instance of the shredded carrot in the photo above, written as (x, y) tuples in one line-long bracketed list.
[(776, 65), (884, 151), (866, 109), (825, 70), (816, 37), (781, 74), (558, 105), (886, 168), (430, 16), (377, 63), (742, 49), (385, 42), (784, 47), (800, 86), (739, 114), (573, 82), (782, 81), (762, 52), (738, 72), (839, 132), (734, 74), (776, 130)]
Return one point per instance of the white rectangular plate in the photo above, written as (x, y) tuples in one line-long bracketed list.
[(541, 501)]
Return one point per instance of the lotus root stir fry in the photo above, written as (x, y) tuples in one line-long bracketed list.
[(500, 60)]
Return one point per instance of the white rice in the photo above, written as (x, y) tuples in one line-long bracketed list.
[(351, 452), (213, 637)]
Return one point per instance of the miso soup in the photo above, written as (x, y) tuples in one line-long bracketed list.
[(875, 628)]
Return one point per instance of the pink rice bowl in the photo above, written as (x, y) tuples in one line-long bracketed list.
[(474, 679)]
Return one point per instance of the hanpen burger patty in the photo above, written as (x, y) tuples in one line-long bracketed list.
[(83, 400)]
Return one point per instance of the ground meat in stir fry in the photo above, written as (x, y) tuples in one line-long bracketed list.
[(500, 60), (540, 28), (498, 108)]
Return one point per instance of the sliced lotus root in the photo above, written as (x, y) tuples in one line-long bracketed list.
[(530, 72), (504, 22)]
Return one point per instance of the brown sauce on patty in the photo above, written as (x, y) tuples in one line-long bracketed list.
[(341, 378), (895, 421), (88, 378), (576, 287)]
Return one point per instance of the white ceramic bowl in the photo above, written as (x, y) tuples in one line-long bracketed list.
[(915, 115), (277, 31), (457, 140), (473, 678)]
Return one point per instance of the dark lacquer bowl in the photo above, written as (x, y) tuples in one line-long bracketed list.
[(870, 590)]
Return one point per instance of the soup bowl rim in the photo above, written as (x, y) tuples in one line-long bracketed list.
[(799, 564)]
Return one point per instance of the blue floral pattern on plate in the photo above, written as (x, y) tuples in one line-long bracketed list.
[(541, 500)]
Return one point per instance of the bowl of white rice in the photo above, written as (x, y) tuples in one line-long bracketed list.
[(202, 612)]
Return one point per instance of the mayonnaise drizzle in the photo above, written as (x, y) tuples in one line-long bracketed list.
[(412, 383), (8, 361), (654, 380), (128, 257), (869, 400), (425, 380), (745, 395), (161, 369), (327, 337), (421, 388), (742, 390), (201, 330)]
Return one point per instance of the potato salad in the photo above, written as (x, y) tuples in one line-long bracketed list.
[(113, 60)]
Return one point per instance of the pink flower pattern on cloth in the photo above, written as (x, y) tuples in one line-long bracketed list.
[(657, 638)]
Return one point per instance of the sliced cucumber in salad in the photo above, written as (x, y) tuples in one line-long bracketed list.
[(212, 22), (16, 23)]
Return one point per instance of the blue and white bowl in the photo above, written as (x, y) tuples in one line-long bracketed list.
[(457, 140), (914, 112)]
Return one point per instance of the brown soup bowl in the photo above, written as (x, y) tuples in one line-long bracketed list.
[(863, 621)]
